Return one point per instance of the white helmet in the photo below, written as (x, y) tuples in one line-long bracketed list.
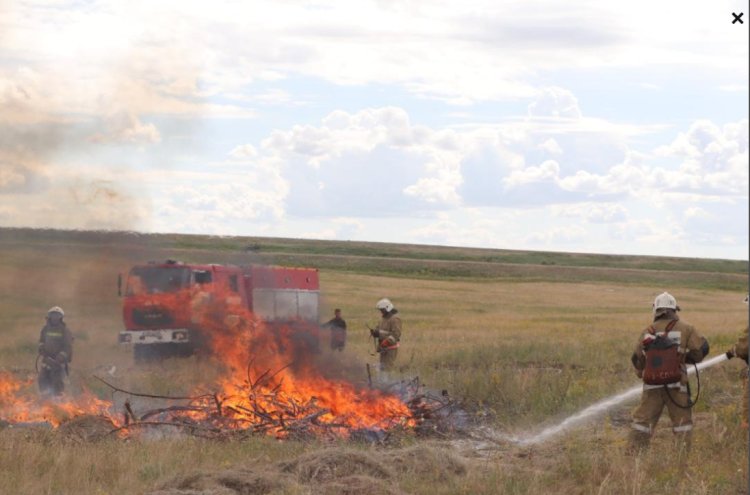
[(385, 304), (665, 300), (56, 309)]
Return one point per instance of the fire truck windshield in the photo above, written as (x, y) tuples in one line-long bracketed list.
[(154, 280)]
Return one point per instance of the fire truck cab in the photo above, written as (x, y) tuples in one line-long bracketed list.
[(160, 297)]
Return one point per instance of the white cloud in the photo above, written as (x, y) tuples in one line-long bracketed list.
[(551, 146), (124, 127), (444, 50), (593, 212), (548, 171), (649, 231), (696, 212), (373, 162), (555, 102), (244, 151), (436, 190)]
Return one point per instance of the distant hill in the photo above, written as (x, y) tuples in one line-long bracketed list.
[(395, 259)]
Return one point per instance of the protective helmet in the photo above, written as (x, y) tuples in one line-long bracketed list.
[(665, 300), (56, 309), (385, 304)]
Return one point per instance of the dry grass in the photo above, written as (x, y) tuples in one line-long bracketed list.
[(528, 352)]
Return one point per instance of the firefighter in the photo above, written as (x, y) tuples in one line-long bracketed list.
[(55, 352), (740, 350), (337, 326), (387, 334), (660, 358)]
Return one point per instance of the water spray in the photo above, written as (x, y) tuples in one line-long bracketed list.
[(598, 408)]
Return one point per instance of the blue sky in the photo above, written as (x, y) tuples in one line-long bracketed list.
[(584, 126)]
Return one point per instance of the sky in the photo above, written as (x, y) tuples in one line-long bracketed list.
[(578, 126)]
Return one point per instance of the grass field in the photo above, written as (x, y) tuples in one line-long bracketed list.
[(524, 338)]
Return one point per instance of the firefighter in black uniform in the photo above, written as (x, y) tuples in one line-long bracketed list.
[(55, 352), (337, 325)]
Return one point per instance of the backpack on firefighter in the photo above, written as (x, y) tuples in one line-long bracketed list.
[(664, 362)]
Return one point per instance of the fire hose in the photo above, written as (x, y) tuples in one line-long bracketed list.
[(601, 406), (690, 401)]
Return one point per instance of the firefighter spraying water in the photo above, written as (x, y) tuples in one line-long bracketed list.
[(660, 358), (596, 409), (655, 395)]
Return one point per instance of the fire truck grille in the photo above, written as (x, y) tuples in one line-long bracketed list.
[(152, 317)]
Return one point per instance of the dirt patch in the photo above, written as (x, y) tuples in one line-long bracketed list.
[(331, 464), (229, 482), (86, 428)]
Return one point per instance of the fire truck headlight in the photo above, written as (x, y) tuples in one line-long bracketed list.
[(179, 335), (126, 338)]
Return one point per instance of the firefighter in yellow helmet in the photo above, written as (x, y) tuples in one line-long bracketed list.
[(660, 357), (387, 334), (55, 352), (740, 350)]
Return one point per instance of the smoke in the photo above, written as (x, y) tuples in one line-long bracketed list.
[(41, 185)]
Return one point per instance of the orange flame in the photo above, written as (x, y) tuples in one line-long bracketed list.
[(18, 404), (271, 371)]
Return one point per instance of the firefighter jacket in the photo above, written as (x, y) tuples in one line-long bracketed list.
[(388, 331), (739, 349), (336, 324), (55, 339), (338, 332), (692, 347)]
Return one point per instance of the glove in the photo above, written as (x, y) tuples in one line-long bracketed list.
[(730, 354), (374, 332), (61, 357)]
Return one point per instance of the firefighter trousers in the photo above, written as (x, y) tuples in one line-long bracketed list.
[(51, 381), (646, 416), (388, 358)]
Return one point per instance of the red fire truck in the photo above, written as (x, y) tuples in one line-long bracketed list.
[(159, 301)]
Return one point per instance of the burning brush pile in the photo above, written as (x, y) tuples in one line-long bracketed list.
[(270, 385)]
